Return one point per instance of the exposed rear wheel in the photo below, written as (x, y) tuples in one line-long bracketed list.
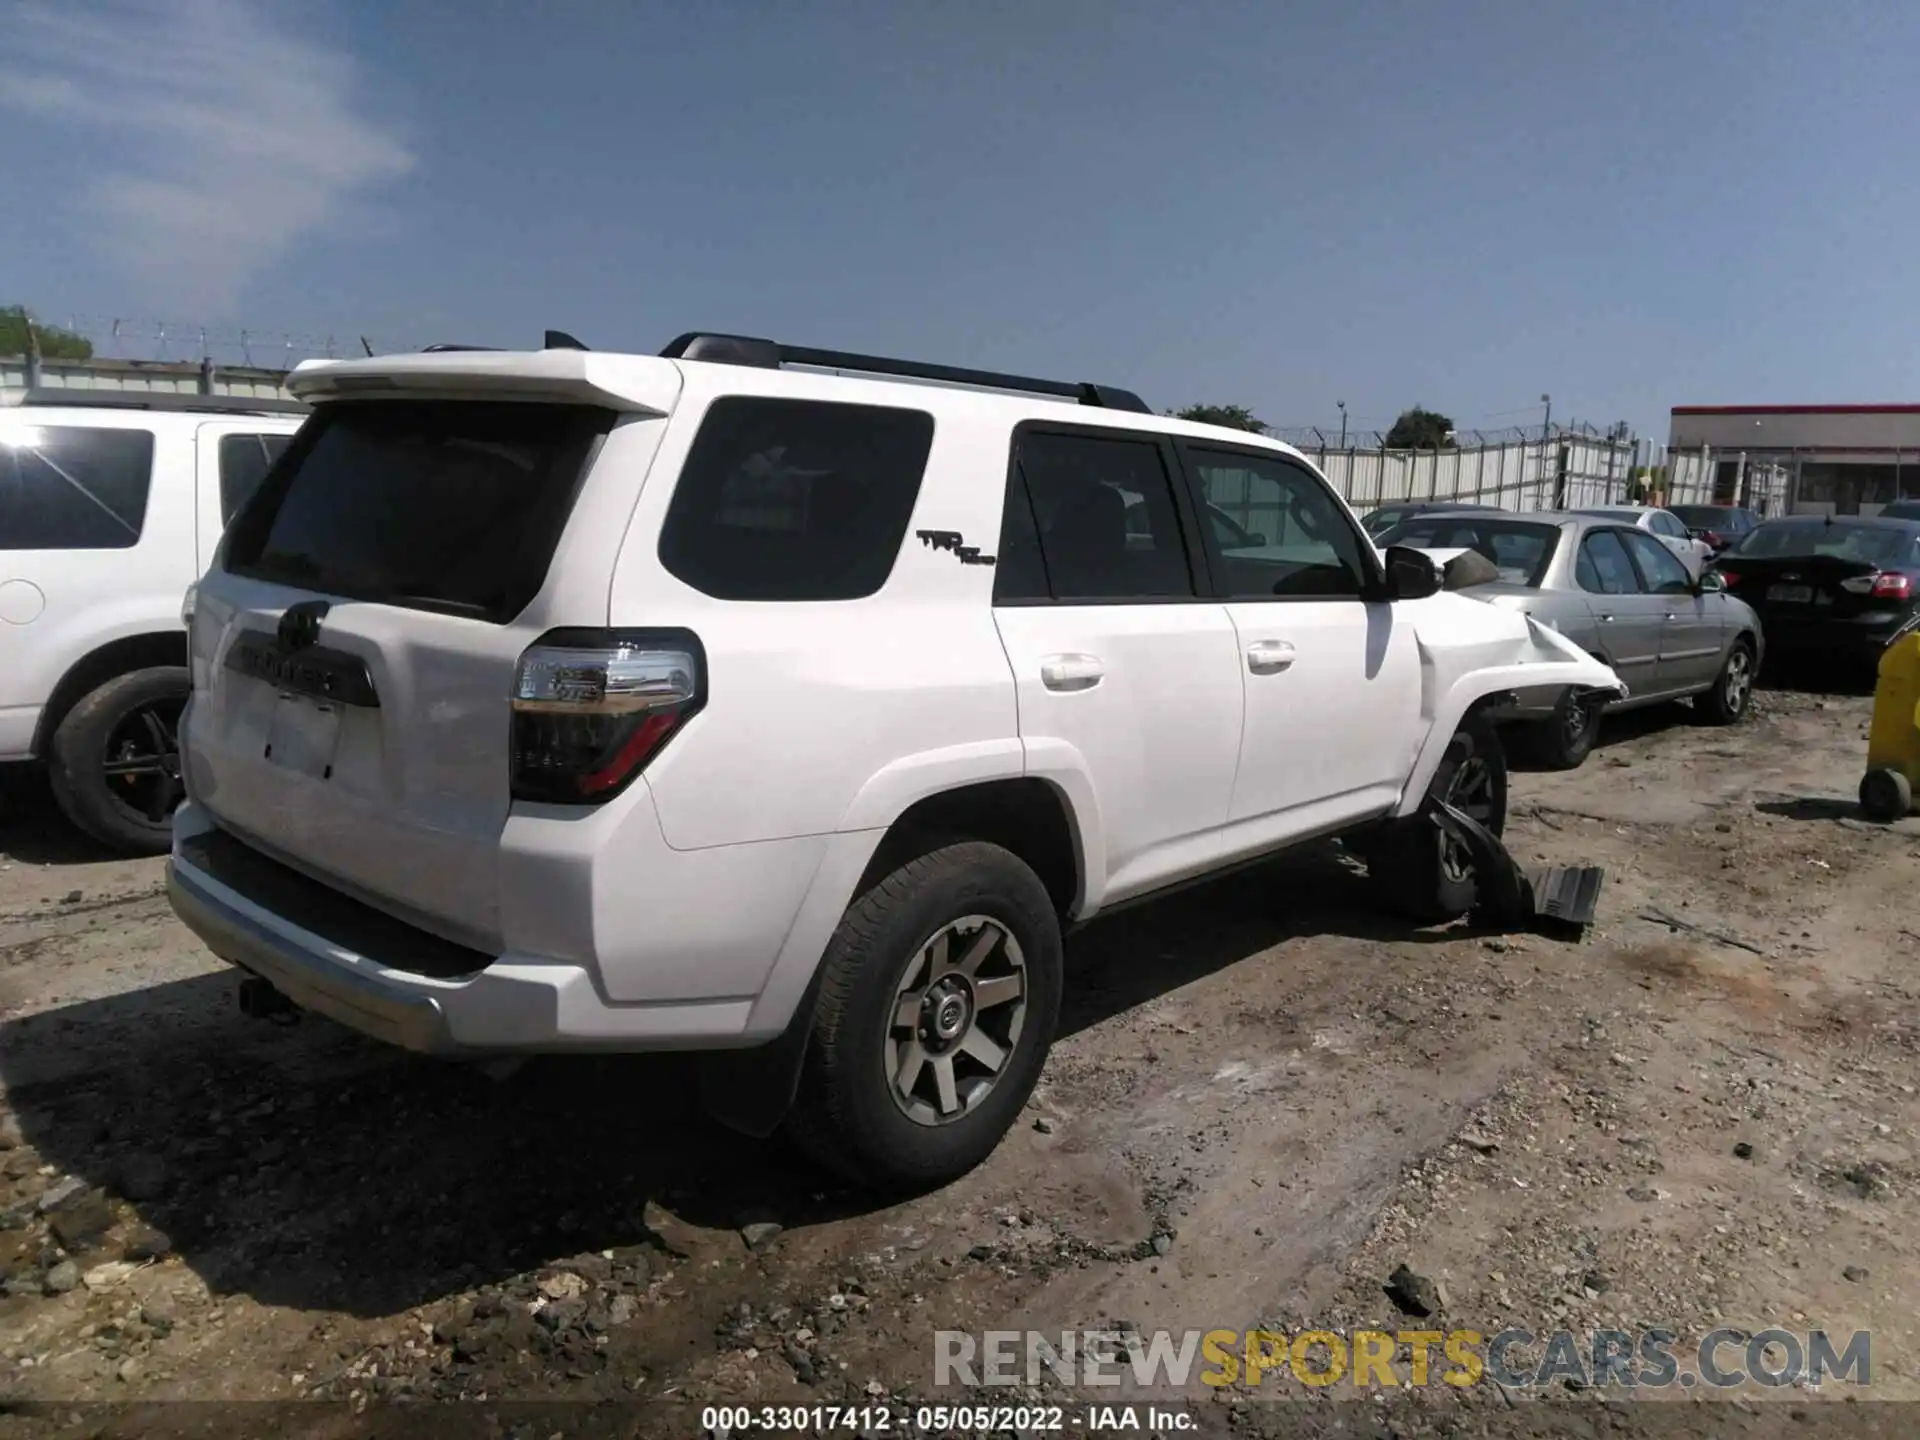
[(938, 1000), (115, 760), (1422, 870)]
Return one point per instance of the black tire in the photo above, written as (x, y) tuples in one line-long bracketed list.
[(1726, 702), (131, 723), (846, 1115), (1886, 796), (1565, 739), (1418, 870)]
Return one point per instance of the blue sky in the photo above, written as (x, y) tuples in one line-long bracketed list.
[(1629, 205)]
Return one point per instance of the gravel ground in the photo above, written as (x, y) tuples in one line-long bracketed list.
[(1268, 1098)]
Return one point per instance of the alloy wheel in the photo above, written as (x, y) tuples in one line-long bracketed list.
[(1470, 791), (957, 1015)]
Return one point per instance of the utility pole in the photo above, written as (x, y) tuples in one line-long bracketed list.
[(1343, 422)]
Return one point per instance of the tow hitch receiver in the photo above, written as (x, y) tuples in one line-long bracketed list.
[(1553, 900)]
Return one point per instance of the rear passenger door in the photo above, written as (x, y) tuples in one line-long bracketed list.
[(230, 460), (1690, 624), (1125, 675), (1332, 673), (1627, 620)]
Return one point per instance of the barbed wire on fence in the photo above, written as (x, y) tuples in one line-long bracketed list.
[(125, 338), (1324, 437)]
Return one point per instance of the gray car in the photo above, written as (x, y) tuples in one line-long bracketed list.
[(1619, 593)]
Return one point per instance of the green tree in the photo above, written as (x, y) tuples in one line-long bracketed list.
[(1421, 429), (55, 343), (1231, 417)]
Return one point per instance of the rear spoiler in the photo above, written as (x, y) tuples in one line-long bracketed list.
[(632, 384)]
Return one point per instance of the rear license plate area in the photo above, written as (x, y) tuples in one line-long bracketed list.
[(1790, 595), (304, 736)]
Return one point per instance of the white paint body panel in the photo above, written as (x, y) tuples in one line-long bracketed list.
[(87, 599), (693, 909)]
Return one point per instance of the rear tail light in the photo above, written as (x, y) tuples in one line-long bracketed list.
[(1880, 587), (1714, 539), (1732, 577), (592, 707)]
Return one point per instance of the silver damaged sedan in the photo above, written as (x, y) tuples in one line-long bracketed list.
[(1616, 591)]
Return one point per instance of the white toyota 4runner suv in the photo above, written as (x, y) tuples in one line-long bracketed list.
[(111, 504), (563, 701)]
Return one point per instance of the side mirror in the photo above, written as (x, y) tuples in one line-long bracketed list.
[(1711, 582), (1410, 575)]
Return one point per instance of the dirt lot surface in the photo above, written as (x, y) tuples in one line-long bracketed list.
[(1268, 1097)]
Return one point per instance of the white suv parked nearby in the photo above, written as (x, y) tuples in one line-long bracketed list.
[(111, 504), (569, 701)]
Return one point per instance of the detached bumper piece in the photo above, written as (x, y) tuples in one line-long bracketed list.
[(1554, 900)]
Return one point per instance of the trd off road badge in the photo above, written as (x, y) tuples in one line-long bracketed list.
[(954, 541)]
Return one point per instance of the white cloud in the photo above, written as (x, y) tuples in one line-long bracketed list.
[(232, 138)]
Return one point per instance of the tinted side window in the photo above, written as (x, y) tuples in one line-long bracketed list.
[(1019, 572), (795, 499), (1659, 567), (1296, 542), (244, 460), (1670, 526), (1105, 517), (70, 487), (1603, 567)]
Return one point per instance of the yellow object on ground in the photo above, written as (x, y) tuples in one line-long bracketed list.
[(1893, 744)]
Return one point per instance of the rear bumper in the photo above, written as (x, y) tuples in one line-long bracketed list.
[(365, 972), (1855, 640)]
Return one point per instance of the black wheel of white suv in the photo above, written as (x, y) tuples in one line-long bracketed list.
[(115, 760), (1422, 870), (939, 995)]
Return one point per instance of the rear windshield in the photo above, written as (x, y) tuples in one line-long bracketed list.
[(1804, 539), (1520, 551), (1705, 517), (454, 506)]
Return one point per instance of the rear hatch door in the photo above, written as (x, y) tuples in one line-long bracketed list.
[(355, 645)]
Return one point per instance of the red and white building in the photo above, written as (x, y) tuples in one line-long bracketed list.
[(1837, 459)]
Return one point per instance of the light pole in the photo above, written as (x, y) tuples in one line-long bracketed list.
[(1343, 422), (1546, 425)]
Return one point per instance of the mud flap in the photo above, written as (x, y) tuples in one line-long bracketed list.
[(1551, 900)]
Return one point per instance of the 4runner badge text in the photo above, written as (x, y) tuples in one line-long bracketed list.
[(956, 542)]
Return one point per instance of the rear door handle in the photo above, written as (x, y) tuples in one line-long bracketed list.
[(1071, 672), (1264, 657), (1606, 619)]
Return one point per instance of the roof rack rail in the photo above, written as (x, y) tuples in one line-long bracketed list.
[(770, 354), (76, 397), (444, 349)]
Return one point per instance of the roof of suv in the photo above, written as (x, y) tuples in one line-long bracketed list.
[(650, 384), (149, 401)]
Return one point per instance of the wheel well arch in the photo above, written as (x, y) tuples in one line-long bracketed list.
[(1027, 816), (91, 671)]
